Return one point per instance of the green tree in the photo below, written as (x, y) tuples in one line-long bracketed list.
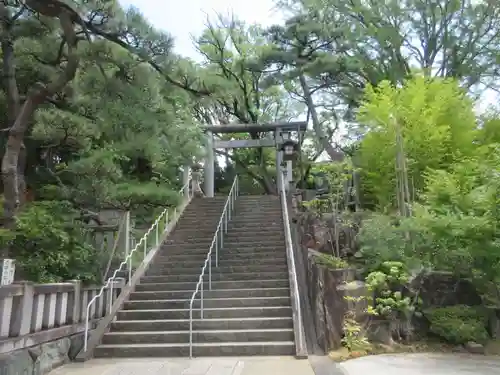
[(237, 93), (112, 136), (379, 41), (437, 126)]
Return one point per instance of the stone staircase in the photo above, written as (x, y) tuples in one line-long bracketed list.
[(247, 312)]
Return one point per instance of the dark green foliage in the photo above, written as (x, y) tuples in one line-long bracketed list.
[(50, 243), (458, 324)]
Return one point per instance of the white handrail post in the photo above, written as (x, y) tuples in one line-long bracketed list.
[(191, 330), (210, 273), (289, 249), (201, 292), (130, 270), (221, 238), (215, 242), (216, 249), (111, 291), (86, 338)]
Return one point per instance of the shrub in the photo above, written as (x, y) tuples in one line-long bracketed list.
[(330, 261), (49, 245), (458, 324)]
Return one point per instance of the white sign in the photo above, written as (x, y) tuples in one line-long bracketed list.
[(8, 270)]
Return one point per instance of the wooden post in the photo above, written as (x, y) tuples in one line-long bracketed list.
[(23, 311), (185, 181), (74, 305)]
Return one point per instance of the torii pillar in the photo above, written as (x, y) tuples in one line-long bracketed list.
[(209, 167)]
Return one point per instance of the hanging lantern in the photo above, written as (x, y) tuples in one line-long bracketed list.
[(290, 149)]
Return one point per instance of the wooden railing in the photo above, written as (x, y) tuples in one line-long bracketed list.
[(31, 314)]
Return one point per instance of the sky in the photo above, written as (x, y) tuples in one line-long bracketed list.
[(186, 18), (183, 18)]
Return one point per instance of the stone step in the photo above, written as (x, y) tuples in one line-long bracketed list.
[(229, 243), (237, 218), (210, 336), (231, 228), (232, 243), (198, 261), (277, 231), (207, 303), (220, 293), (216, 276), (170, 269), (233, 224), (217, 313), (238, 257), (183, 238), (219, 205), (250, 226), (212, 217), (202, 324), (254, 211), (199, 350), (227, 252), (250, 284), (239, 211)]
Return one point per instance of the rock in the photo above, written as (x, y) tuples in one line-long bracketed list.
[(459, 349), (444, 289), (54, 354), (16, 363), (76, 345), (380, 331), (494, 322), (37, 360), (327, 289), (320, 233), (35, 352), (474, 347)]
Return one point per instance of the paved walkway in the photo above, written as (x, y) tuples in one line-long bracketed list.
[(423, 364), (388, 364), (201, 366)]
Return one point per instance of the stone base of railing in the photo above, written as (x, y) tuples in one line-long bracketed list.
[(39, 353)]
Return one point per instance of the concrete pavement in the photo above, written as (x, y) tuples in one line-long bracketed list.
[(385, 364), (198, 366), (419, 364)]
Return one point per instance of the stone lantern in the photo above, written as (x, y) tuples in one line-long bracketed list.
[(290, 149)]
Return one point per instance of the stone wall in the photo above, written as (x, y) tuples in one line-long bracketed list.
[(327, 289), (328, 233), (443, 289), (41, 359)]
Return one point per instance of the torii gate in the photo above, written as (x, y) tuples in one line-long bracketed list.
[(279, 136)]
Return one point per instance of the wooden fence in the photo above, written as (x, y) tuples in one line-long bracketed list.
[(31, 314)]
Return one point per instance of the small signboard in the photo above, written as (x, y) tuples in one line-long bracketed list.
[(8, 270)]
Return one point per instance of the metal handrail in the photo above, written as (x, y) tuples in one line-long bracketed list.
[(144, 242), (291, 256), (216, 241)]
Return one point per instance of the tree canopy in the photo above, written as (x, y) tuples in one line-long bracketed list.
[(100, 113)]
